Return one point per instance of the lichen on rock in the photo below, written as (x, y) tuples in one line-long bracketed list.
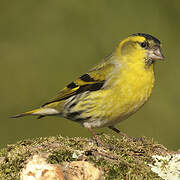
[(167, 167), (128, 159)]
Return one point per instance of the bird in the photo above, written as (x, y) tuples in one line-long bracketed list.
[(111, 91)]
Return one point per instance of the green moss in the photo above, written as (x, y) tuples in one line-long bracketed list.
[(60, 156), (127, 160)]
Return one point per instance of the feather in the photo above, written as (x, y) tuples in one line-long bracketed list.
[(91, 81)]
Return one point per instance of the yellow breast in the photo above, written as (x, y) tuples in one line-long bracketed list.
[(131, 89)]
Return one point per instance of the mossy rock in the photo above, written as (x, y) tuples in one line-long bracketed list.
[(127, 159)]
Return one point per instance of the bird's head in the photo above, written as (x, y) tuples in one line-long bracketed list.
[(143, 46)]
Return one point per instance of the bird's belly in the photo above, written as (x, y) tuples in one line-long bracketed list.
[(118, 104), (130, 104), (123, 102)]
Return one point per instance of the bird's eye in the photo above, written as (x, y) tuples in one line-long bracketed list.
[(144, 44)]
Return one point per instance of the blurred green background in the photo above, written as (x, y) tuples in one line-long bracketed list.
[(46, 44)]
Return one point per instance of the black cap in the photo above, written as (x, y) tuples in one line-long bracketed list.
[(148, 37)]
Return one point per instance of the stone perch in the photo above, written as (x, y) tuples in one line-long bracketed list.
[(63, 158)]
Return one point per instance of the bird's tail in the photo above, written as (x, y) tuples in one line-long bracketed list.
[(38, 112)]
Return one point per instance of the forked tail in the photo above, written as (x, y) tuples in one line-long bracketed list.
[(38, 112)]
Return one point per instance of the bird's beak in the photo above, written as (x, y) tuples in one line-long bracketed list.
[(156, 54)]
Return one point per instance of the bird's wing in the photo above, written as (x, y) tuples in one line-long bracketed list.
[(91, 81)]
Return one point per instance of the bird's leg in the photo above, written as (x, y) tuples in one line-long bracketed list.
[(99, 142), (117, 131)]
